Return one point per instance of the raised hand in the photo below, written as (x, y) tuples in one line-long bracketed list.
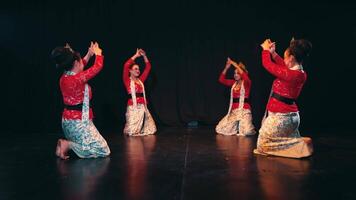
[(89, 54), (96, 49), (233, 63), (266, 45), (138, 53), (142, 52), (90, 49), (228, 63), (273, 47)]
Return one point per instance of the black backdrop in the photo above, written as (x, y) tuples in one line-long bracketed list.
[(187, 43)]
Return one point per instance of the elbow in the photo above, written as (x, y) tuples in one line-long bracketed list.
[(221, 80), (264, 63)]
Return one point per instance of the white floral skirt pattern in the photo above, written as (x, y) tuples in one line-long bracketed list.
[(237, 122), (139, 121), (279, 136), (85, 140)]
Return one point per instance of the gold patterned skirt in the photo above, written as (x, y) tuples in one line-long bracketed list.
[(279, 136), (139, 121), (237, 122)]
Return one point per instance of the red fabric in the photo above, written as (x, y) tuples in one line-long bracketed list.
[(236, 94), (72, 88), (288, 83), (138, 87)]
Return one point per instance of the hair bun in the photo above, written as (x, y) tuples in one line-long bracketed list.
[(300, 49), (63, 57)]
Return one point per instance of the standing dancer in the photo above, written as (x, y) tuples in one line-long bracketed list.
[(81, 135), (238, 120), (139, 121), (279, 133)]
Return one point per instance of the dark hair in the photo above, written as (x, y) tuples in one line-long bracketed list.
[(300, 49), (133, 64), (64, 57)]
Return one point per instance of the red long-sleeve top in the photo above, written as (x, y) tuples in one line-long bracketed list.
[(138, 87), (73, 86), (288, 83), (236, 94)]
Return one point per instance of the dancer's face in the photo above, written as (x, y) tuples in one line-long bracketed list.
[(237, 76), (135, 71), (78, 64), (288, 59)]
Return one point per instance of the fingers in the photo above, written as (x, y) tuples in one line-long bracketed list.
[(94, 44), (267, 44), (141, 52), (268, 41), (64, 157), (228, 61)]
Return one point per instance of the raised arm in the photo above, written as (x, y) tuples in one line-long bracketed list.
[(274, 54), (222, 77), (90, 73), (128, 63), (243, 73), (147, 70), (89, 54), (245, 77), (237, 66), (280, 71), (279, 60)]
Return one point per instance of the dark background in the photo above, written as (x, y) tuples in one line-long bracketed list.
[(187, 43)]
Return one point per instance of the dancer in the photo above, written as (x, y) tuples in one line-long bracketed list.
[(139, 121), (238, 120), (279, 133), (81, 134)]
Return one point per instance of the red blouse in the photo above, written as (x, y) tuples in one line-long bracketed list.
[(138, 87), (72, 88), (236, 94), (289, 83)]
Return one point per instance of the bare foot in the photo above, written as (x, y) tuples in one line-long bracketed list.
[(63, 149), (307, 140), (309, 143), (58, 148), (255, 151)]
